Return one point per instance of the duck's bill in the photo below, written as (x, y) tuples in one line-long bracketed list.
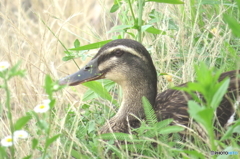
[(88, 73)]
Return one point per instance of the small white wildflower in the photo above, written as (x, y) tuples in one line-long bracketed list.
[(4, 65), (7, 141), (42, 108), (20, 134)]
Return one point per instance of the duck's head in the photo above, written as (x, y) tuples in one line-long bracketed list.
[(120, 61)]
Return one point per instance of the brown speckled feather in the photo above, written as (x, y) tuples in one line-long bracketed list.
[(173, 103)]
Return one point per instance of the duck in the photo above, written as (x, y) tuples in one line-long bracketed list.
[(129, 64)]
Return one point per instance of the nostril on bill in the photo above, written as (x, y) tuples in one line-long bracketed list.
[(87, 68)]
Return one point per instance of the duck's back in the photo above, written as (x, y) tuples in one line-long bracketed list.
[(173, 103)]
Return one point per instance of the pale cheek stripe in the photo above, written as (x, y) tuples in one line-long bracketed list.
[(123, 48)]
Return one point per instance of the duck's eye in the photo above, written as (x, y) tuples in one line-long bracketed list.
[(118, 53)]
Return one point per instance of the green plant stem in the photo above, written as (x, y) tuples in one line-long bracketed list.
[(58, 40), (130, 6), (140, 12), (48, 133), (12, 149)]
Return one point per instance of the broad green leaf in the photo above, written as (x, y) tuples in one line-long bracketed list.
[(76, 43), (194, 108), (155, 31), (51, 140), (100, 90), (48, 85), (171, 129), (217, 98), (145, 27), (205, 117), (89, 94), (233, 24), (91, 46), (202, 115), (115, 7), (167, 1), (163, 123), (34, 143), (22, 122)]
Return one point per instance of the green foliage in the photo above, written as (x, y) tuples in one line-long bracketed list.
[(212, 93), (167, 1), (151, 118), (132, 24), (99, 89), (143, 138), (20, 123), (43, 125)]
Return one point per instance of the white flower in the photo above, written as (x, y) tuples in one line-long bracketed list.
[(4, 65), (7, 141), (20, 134), (42, 108)]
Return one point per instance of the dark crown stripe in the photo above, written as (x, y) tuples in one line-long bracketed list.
[(123, 48)]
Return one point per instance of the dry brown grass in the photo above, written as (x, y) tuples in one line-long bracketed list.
[(25, 38)]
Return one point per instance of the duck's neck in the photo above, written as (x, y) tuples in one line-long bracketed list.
[(133, 91)]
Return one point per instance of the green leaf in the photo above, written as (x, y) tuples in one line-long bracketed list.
[(171, 129), (120, 28), (34, 143), (163, 123), (115, 7), (89, 94), (167, 1), (145, 27), (48, 85), (100, 90), (22, 122), (91, 126), (217, 98), (155, 31), (67, 58), (192, 153), (76, 43), (3, 153), (238, 4), (51, 140), (231, 129), (233, 24), (203, 115), (77, 155), (91, 46)]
